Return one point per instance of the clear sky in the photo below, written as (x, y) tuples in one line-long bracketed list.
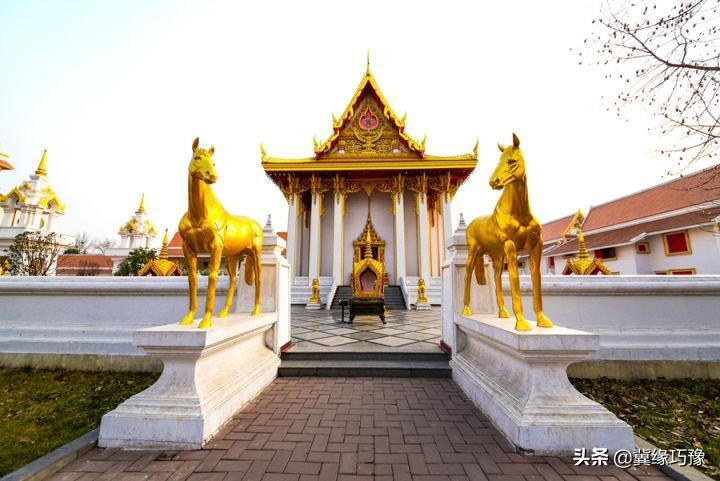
[(118, 90)]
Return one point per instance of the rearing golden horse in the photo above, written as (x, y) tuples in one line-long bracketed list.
[(207, 227), (510, 228)]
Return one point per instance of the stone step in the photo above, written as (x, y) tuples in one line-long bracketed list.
[(364, 356), (364, 368)]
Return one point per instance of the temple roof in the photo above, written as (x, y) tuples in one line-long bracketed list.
[(369, 135)]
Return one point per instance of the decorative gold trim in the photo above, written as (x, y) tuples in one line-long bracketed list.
[(637, 248), (687, 241)]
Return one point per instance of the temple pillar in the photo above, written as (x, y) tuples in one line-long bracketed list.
[(399, 210), (338, 228), (445, 202), (423, 235), (293, 210), (315, 232)]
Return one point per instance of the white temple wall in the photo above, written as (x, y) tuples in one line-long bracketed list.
[(624, 263), (704, 256), (411, 251), (355, 217), (326, 238)]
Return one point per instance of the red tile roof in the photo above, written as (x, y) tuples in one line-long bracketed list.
[(623, 235), (553, 230), (87, 264), (686, 191)]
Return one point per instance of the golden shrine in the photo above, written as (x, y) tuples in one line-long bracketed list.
[(583, 265), (162, 266), (368, 163)]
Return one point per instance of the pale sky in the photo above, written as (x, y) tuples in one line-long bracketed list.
[(117, 91)]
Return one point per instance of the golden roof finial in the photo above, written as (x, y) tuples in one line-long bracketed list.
[(163, 249), (475, 148), (42, 166), (142, 203), (263, 154), (367, 70)]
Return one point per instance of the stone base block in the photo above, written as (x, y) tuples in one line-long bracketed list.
[(313, 306), (519, 380), (422, 306), (208, 375)]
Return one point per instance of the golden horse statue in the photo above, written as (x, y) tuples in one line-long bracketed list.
[(510, 228), (207, 227)]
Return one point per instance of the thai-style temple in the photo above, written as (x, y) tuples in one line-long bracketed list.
[(370, 177), (31, 206), (138, 231)]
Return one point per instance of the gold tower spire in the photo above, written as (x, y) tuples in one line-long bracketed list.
[(163, 249), (367, 69), (582, 249), (142, 203), (368, 245), (42, 166)]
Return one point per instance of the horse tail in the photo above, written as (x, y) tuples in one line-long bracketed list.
[(480, 269)]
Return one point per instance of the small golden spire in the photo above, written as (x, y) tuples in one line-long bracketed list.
[(142, 203), (367, 70), (582, 249), (42, 166), (475, 148), (368, 245), (263, 154), (163, 249)]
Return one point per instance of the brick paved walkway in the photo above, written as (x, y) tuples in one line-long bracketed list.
[(358, 429)]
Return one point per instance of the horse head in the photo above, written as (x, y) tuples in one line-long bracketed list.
[(511, 166), (202, 166)]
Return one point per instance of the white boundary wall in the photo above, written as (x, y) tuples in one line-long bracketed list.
[(638, 318)]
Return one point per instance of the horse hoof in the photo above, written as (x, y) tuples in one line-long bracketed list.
[(255, 311), (543, 321), (503, 314), (186, 321), (206, 323), (467, 311), (223, 313), (522, 325)]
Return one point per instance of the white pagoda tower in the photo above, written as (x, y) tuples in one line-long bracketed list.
[(31, 206), (137, 232)]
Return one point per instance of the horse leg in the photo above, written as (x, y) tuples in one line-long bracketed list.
[(535, 257), (511, 254), (497, 275), (232, 263), (191, 262), (215, 258), (469, 267), (258, 281)]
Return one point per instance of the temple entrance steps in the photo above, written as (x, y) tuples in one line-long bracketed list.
[(393, 297), (365, 364)]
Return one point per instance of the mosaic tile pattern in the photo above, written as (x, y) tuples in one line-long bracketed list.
[(409, 330)]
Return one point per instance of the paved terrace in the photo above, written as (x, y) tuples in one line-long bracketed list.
[(405, 331), (359, 429)]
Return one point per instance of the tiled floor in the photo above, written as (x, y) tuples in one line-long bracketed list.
[(405, 330), (349, 429)]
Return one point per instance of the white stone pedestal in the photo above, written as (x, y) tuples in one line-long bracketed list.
[(208, 375), (519, 380), (313, 306), (422, 306)]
